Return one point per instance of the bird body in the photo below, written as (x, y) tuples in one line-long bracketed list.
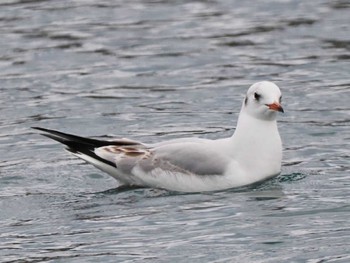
[(252, 154)]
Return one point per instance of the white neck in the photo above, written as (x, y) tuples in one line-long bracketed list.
[(257, 144)]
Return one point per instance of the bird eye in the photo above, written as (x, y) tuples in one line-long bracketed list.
[(280, 99), (257, 96)]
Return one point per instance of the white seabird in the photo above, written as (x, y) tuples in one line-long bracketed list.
[(252, 154)]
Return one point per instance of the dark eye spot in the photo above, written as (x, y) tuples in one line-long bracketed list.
[(280, 99), (257, 96)]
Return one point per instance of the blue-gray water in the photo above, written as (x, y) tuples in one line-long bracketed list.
[(154, 70)]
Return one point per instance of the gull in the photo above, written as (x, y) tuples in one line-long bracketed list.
[(252, 154)]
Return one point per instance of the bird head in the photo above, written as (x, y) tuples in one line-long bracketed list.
[(263, 101)]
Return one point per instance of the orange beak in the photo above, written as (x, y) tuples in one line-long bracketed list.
[(275, 106)]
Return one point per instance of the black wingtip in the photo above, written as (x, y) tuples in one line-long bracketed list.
[(76, 144), (37, 128), (42, 129), (49, 131)]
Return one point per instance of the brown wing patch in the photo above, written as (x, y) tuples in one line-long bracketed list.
[(133, 153), (128, 151)]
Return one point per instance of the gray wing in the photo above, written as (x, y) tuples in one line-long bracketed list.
[(195, 158), (185, 157)]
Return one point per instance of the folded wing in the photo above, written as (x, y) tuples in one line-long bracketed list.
[(183, 157)]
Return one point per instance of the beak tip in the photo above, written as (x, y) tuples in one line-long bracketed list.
[(275, 107)]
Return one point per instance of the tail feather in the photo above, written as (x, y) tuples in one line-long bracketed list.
[(78, 145)]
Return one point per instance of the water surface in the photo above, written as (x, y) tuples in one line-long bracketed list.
[(154, 70)]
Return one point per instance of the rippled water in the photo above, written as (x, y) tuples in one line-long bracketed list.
[(154, 70)]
